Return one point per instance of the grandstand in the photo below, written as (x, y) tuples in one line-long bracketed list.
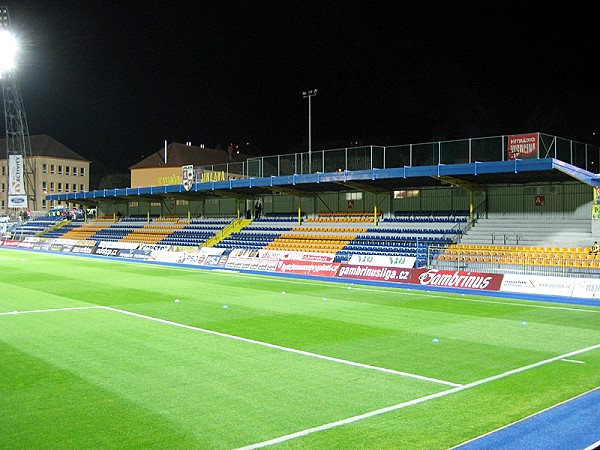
[(491, 213)]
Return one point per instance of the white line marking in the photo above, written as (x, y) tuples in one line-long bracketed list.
[(412, 402), (573, 361), (338, 423), (285, 349), (33, 311), (594, 446), (532, 366)]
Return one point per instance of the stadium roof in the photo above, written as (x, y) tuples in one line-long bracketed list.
[(44, 145), (474, 176)]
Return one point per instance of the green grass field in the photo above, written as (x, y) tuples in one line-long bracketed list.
[(97, 353)]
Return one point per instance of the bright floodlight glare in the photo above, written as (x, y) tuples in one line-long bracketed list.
[(8, 51)]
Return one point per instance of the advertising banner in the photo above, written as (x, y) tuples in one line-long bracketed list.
[(83, 249), (521, 146), (280, 254), (536, 284), (17, 197), (457, 279), (300, 267), (383, 261), (167, 256), (373, 273), (107, 251), (586, 288)]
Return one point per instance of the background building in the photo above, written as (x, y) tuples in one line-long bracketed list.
[(164, 166), (56, 169)]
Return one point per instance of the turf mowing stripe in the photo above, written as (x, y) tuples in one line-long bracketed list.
[(285, 349), (377, 412), (563, 308), (32, 311)]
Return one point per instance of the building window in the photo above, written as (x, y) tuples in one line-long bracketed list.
[(2, 187), (60, 170), (66, 187), (52, 168), (52, 186), (44, 203), (67, 170), (44, 186), (354, 196), (82, 171), (406, 193), (45, 168), (81, 188), (74, 187), (74, 171), (3, 170), (59, 187)]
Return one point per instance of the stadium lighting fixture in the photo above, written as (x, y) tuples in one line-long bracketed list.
[(8, 51), (309, 95)]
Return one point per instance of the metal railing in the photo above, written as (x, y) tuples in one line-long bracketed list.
[(552, 264), (371, 157)]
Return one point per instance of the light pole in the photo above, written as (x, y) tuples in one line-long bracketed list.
[(309, 94), (20, 175)]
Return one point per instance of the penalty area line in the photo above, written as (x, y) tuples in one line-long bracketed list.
[(416, 401), (281, 348)]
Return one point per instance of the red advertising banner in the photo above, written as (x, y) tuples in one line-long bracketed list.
[(374, 273), (457, 279), (423, 277), (522, 146), (300, 267)]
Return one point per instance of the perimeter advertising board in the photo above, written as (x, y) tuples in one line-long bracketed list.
[(536, 284), (424, 277)]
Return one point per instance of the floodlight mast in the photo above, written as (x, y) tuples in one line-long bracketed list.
[(309, 95), (20, 174)]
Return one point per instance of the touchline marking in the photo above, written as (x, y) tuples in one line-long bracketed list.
[(279, 347), (594, 446), (377, 412), (33, 311), (526, 418)]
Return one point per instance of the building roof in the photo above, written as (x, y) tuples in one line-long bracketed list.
[(182, 155), (44, 145)]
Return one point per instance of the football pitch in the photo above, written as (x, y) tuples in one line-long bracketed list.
[(99, 353)]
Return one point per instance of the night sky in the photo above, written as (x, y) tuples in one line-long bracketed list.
[(113, 80)]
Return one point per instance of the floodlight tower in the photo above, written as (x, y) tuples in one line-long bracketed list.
[(20, 172)]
